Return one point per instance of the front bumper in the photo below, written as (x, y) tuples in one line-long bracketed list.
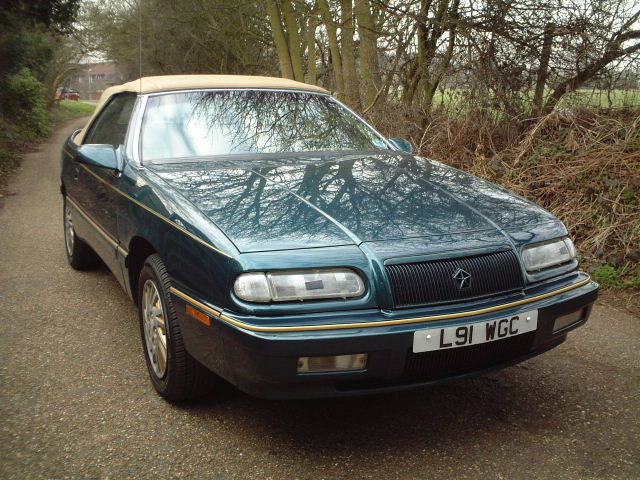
[(260, 355)]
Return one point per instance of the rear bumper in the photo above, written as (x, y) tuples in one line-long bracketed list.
[(262, 358)]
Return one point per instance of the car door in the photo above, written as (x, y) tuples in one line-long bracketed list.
[(95, 189)]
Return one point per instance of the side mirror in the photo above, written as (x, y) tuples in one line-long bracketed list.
[(104, 156), (402, 144)]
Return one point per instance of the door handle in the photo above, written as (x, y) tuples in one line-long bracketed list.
[(76, 173)]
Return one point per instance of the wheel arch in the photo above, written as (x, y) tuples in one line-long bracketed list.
[(139, 250)]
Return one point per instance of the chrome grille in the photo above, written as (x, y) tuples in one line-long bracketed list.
[(415, 284)]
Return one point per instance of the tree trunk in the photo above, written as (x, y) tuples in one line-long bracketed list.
[(410, 82), (334, 48), (284, 58), (312, 75), (429, 90), (293, 34), (429, 32), (352, 94), (369, 67), (543, 69), (52, 84)]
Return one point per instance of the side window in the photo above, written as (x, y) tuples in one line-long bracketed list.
[(111, 125)]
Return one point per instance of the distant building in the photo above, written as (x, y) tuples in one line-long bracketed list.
[(91, 79)]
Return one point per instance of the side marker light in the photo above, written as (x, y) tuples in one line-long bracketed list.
[(198, 315)]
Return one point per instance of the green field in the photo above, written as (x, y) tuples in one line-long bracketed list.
[(603, 98), (453, 99)]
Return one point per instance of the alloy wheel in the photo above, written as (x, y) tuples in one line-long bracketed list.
[(69, 234), (155, 331)]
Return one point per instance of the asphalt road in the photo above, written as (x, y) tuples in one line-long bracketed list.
[(75, 401)]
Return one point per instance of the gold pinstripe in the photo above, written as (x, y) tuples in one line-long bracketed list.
[(153, 212), (195, 302), (382, 323)]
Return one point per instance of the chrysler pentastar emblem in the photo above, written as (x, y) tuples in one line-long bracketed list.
[(462, 278)]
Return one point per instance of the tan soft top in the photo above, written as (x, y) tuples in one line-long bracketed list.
[(188, 82), (167, 83)]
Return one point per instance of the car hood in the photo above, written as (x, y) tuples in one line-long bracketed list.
[(290, 202)]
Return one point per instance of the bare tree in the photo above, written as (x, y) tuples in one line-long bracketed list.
[(516, 57)]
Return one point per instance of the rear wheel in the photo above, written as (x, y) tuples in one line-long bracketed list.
[(175, 374), (79, 254)]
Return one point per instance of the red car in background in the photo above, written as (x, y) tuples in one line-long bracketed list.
[(64, 93)]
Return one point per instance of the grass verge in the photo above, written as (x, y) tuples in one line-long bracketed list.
[(67, 109)]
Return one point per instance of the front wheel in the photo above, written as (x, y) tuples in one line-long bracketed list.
[(175, 374)]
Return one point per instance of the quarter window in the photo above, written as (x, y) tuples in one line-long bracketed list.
[(111, 125)]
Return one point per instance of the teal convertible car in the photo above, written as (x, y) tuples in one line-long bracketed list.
[(271, 237)]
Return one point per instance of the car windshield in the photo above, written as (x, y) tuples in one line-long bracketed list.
[(201, 124)]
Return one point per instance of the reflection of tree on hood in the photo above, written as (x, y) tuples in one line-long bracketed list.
[(295, 198), (375, 193)]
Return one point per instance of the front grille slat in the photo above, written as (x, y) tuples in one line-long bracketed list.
[(423, 283)]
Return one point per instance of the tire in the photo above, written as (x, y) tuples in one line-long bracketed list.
[(79, 255), (174, 373)]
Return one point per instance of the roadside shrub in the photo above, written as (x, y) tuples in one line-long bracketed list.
[(582, 164), (23, 102), (9, 138), (16, 138)]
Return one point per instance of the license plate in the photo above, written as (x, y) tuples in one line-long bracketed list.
[(474, 333)]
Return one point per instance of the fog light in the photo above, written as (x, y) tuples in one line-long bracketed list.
[(568, 319), (336, 363)]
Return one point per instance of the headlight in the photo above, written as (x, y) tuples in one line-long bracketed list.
[(298, 285), (546, 254)]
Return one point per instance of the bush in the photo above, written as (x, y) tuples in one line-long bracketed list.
[(9, 140), (23, 101), (24, 117), (581, 164)]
